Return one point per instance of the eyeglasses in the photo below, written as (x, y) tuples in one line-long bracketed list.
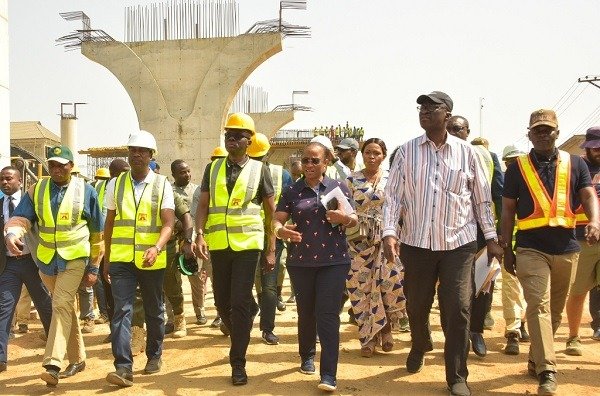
[(314, 161), (457, 128), (428, 108), (235, 136)]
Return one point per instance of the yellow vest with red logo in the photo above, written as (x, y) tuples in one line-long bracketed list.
[(137, 227), (68, 235), (234, 221), (555, 212)]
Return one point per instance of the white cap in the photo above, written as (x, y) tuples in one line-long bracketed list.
[(142, 139), (324, 140)]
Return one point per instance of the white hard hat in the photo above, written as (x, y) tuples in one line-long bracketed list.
[(142, 139), (324, 140), (511, 151)]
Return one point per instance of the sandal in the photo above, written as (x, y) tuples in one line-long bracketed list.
[(387, 340), (368, 350)]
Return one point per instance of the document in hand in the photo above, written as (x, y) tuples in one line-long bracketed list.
[(338, 194), (485, 273)]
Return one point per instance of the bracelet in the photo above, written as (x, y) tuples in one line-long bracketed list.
[(348, 223), (276, 231)]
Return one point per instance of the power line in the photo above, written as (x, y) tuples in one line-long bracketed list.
[(573, 101), (565, 94)]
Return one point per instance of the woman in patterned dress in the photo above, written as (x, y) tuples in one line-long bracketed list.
[(374, 285), (318, 259)]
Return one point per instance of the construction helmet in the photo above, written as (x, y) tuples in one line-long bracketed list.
[(324, 140), (187, 266), (219, 152), (259, 145), (142, 139), (75, 169), (240, 121), (103, 173), (479, 141), (511, 151)]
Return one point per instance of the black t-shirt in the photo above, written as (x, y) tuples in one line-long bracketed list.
[(550, 240), (232, 171), (595, 175)]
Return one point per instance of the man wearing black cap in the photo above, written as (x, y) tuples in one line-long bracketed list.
[(346, 151), (588, 265), (439, 189), (543, 189)]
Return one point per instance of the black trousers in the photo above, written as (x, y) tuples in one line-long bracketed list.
[(595, 307), (482, 304), (454, 270), (233, 280)]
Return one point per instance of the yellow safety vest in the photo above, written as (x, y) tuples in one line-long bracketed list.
[(234, 221), (137, 227), (556, 212), (68, 235), (277, 176), (100, 187)]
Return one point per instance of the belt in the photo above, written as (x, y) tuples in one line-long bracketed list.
[(21, 257)]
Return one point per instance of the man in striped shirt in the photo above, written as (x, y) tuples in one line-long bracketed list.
[(438, 188)]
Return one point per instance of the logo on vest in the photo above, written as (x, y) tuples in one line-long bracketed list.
[(236, 202), (64, 216), (142, 217)]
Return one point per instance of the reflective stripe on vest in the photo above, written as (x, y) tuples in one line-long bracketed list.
[(137, 227), (234, 221), (68, 235), (556, 212), (277, 176), (101, 189)]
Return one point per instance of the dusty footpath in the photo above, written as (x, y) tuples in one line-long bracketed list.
[(198, 364)]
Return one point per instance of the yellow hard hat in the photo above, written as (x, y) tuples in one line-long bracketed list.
[(219, 152), (479, 141), (103, 172), (259, 145), (75, 169), (240, 121)]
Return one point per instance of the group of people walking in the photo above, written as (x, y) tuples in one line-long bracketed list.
[(388, 241)]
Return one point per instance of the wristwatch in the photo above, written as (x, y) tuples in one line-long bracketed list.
[(189, 240), (158, 249)]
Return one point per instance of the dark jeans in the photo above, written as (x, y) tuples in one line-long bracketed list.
[(233, 279), (18, 272), (100, 297), (318, 293), (125, 277), (268, 295), (172, 284), (454, 269), (595, 307), (108, 298), (480, 308)]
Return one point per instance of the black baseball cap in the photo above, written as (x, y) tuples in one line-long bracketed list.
[(437, 97)]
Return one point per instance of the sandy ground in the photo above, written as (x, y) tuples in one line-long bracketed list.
[(198, 364)]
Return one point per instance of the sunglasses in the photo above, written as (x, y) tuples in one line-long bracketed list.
[(314, 161), (457, 128), (236, 136)]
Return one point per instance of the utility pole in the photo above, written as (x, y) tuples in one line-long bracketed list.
[(590, 79)]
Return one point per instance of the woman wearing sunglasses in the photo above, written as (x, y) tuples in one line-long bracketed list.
[(318, 260), (375, 286)]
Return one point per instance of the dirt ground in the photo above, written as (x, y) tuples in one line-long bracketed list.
[(198, 364)]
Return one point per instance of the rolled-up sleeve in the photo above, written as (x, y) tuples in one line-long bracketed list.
[(393, 195)]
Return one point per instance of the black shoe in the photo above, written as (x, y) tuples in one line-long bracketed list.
[(459, 389), (512, 344), (153, 366), (291, 300), (201, 320), (121, 377), (531, 369), (2, 366), (548, 385), (216, 323), (415, 361), (72, 369), (169, 328), (108, 339), (224, 329), (270, 338), (308, 366), (478, 344), (238, 376), (524, 334), (50, 376), (280, 304)]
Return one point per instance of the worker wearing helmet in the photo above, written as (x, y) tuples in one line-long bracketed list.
[(269, 294), (233, 192), (218, 152), (70, 225), (139, 222)]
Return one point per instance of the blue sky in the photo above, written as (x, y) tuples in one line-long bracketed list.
[(366, 63)]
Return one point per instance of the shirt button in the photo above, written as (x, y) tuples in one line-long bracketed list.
[(437, 164)]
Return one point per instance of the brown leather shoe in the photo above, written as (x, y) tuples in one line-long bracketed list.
[(72, 369)]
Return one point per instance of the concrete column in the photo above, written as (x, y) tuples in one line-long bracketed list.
[(183, 89), (4, 91), (68, 133), (271, 122)]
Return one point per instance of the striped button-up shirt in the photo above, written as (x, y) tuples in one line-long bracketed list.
[(439, 193)]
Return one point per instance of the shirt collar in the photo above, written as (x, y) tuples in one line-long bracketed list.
[(16, 196), (148, 179), (240, 164), (451, 141)]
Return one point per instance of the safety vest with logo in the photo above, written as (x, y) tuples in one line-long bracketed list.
[(137, 226), (234, 220), (555, 212), (68, 234), (277, 176)]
